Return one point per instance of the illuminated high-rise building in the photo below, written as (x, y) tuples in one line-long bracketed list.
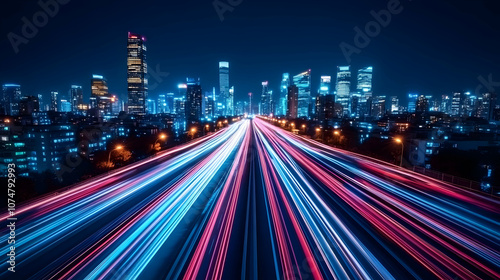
[(162, 104), (101, 98), (325, 85), (10, 99), (194, 99), (343, 88), (282, 103), (303, 83), (224, 96), (151, 107), (230, 103), (394, 105), (378, 106), (266, 100), (29, 105), (412, 102), (456, 104), (136, 74), (65, 106), (364, 88), (54, 101), (76, 98)]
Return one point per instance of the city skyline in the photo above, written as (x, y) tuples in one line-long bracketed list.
[(248, 70)]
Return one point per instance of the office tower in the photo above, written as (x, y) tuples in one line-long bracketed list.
[(250, 109), (325, 107), (162, 104), (76, 97), (303, 83), (365, 77), (293, 102), (378, 106), (412, 102), (29, 105), (469, 105), (150, 107), (343, 88), (116, 105), (136, 74), (446, 104), (100, 97), (422, 105), (456, 104), (209, 105), (230, 103), (65, 106), (224, 97), (41, 103), (170, 103), (394, 105), (266, 100), (54, 101), (180, 107), (282, 102), (194, 98), (325, 85), (356, 104), (486, 106), (10, 99)]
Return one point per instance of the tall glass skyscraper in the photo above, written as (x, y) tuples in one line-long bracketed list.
[(266, 100), (136, 74), (343, 88), (76, 97), (100, 92), (285, 83), (325, 85), (10, 99), (303, 83), (54, 101), (224, 96), (412, 102), (194, 99), (365, 77)]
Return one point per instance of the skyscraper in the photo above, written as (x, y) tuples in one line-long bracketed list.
[(224, 97), (230, 103), (194, 98), (343, 88), (136, 74), (151, 107), (54, 101), (412, 102), (162, 104), (266, 100), (394, 105), (325, 85), (378, 106), (282, 103), (10, 99), (365, 77), (65, 105), (101, 98), (293, 102), (456, 104), (76, 98), (303, 83)]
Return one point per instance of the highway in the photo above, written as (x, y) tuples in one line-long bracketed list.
[(253, 201)]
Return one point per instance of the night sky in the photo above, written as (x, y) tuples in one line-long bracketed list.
[(431, 47)]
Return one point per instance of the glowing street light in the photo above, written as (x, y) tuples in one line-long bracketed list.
[(117, 148), (162, 136), (336, 133)]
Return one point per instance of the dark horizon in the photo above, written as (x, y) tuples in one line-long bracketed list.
[(429, 50)]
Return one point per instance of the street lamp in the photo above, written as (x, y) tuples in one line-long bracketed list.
[(162, 136), (193, 131), (119, 147), (336, 133), (400, 141)]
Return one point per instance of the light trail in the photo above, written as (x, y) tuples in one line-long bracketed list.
[(256, 202)]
